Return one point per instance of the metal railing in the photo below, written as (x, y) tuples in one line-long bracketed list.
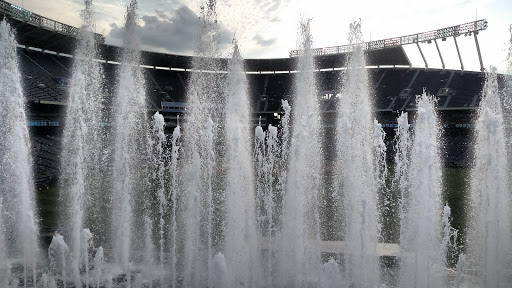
[(454, 31), (24, 15)]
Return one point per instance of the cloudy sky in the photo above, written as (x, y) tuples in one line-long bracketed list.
[(268, 28)]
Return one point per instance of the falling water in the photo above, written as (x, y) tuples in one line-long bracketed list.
[(157, 151), (300, 236), (506, 98), (267, 149), (130, 148), (282, 154), (241, 248), (460, 268), (379, 156), (175, 149), (260, 163), (421, 259), (271, 160), (285, 145), (356, 150), (490, 229), (282, 161), (5, 269), (449, 235), (98, 263), (402, 148), (85, 246), (81, 163), (203, 119), (58, 253), (18, 225), (149, 251)]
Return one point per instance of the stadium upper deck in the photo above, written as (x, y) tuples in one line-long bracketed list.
[(270, 80), (38, 32)]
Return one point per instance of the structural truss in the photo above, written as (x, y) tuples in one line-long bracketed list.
[(37, 20), (466, 29)]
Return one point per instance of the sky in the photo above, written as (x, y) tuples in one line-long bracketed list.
[(269, 28)]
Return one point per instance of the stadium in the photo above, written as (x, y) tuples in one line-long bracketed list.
[(46, 47), (45, 53)]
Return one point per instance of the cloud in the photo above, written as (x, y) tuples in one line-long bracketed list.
[(173, 32), (262, 26), (264, 42), (65, 11), (268, 28)]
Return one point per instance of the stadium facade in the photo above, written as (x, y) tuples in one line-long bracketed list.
[(45, 53)]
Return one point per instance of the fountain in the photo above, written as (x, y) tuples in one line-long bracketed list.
[(82, 165), (420, 242), (18, 222), (270, 159), (128, 180), (241, 249), (201, 221), (207, 207), (490, 229), (357, 185), (300, 228)]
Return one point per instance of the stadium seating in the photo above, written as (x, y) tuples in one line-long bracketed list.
[(388, 91), (45, 151), (173, 83), (46, 77), (257, 91), (430, 81), (39, 83), (464, 86)]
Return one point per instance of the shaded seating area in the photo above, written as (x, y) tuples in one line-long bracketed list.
[(39, 83), (45, 152)]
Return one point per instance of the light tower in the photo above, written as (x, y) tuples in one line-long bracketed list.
[(466, 29)]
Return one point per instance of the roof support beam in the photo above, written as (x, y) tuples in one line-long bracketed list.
[(478, 50), (449, 93), (392, 104), (381, 77), (475, 98), (409, 87), (439, 52), (422, 56), (457, 30), (458, 53), (413, 79)]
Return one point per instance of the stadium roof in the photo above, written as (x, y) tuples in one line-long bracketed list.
[(39, 32), (390, 56), (34, 30)]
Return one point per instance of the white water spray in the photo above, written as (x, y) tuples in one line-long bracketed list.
[(58, 253), (402, 160), (130, 127), (18, 225), (175, 149), (356, 149), (421, 260), (300, 232), (81, 165), (241, 247), (203, 231), (490, 229)]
